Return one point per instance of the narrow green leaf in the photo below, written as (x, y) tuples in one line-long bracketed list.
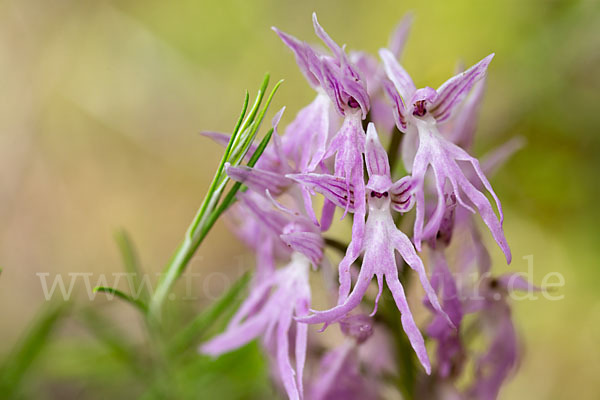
[(235, 133), (195, 330), (230, 197), (253, 129), (116, 292), (259, 97), (212, 195), (260, 148), (23, 355)]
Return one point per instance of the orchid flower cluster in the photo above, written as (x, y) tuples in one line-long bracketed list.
[(333, 148)]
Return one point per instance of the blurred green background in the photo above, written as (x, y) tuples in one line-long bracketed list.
[(102, 101)]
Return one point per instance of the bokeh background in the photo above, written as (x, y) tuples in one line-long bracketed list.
[(101, 104)]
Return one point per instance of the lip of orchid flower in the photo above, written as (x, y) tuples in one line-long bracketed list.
[(290, 297), (380, 240), (443, 157)]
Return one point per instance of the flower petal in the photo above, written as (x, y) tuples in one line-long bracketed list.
[(235, 337), (402, 81), (334, 188), (333, 46), (454, 90), (491, 161), (304, 54), (336, 313), (480, 200), (516, 281), (302, 306), (259, 180), (408, 323), (270, 218), (464, 124), (255, 297), (402, 194), (308, 243), (305, 139), (400, 34), (375, 156), (286, 372), (402, 243), (400, 113), (327, 214)]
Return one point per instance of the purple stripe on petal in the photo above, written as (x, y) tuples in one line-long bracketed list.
[(259, 180), (376, 157), (400, 113), (308, 243), (332, 187), (402, 194)]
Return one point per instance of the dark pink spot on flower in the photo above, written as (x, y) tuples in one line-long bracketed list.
[(378, 195), (352, 103), (419, 108)]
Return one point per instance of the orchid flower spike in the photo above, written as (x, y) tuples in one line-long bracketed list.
[(418, 113), (380, 241)]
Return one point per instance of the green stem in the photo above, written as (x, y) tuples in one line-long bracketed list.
[(210, 210)]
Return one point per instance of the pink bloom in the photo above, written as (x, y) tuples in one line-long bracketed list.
[(378, 243), (335, 76), (272, 321), (418, 113)]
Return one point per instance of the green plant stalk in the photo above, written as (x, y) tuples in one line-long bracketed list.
[(210, 211)]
